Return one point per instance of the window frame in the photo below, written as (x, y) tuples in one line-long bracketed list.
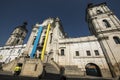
[(106, 23), (62, 52), (88, 53), (116, 39), (96, 52), (77, 53), (99, 12)]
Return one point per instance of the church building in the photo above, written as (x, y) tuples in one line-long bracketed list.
[(96, 55)]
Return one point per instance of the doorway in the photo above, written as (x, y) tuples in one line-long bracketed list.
[(93, 70)]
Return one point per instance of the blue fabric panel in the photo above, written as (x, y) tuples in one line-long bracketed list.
[(36, 42)]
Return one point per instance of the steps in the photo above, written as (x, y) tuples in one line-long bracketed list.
[(30, 67), (51, 72), (50, 76), (10, 66), (49, 68)]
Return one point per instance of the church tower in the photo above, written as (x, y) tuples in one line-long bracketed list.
[(18, 35), (104, 24)]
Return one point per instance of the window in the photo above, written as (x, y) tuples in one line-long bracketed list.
[(96, 52), (17, 42), (116, 39), (9, 59), (45, 32), (88, 53), (62, 52), (44, 38), (99, 12), (21, 33), (34, 40), (51, 37), (35, 67), (77, 53), (106, 23), (34, 30), (19, 50), (42, 43), (12, 51)]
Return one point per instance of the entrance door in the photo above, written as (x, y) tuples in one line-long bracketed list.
[(93, 70)]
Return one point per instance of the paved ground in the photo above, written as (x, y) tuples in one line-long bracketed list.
[(11, 77), (48, 76)]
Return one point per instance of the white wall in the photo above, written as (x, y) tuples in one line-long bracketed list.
[(82, 45), (9, 53)]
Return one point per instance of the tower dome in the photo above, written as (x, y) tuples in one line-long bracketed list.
[(18, 35)]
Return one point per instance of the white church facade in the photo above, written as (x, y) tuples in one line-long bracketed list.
[(95, 55)]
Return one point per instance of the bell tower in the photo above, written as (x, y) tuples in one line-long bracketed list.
[(18, 35), (104, 24)]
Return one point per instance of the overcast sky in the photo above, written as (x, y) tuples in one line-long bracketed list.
[(71, 13)]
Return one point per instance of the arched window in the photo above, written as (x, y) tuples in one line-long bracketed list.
[(99, 12), (106, 23), (116, 39)]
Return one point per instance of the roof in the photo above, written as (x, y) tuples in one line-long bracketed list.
[(23, 26), (91, 5)]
